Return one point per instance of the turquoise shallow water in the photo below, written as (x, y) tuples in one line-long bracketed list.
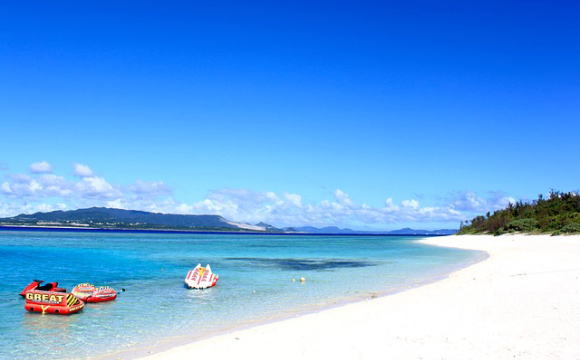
[(255, 283)]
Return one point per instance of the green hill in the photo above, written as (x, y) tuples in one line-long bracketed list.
[(117, 218), (558, 214)]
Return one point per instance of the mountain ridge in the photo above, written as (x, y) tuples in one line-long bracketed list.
[(111, 217)]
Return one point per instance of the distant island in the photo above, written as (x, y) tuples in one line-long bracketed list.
[(557, 214), (120, 219), (404, 231)]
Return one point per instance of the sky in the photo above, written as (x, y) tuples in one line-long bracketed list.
[(366, 114)]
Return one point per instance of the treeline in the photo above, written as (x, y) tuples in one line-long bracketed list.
[(557, 214)]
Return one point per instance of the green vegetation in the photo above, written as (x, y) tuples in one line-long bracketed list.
[(558, 214)]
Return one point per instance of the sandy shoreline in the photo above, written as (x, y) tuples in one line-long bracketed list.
[(522, 302)]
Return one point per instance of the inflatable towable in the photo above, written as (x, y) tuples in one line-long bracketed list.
[(35, 285), (92, 294), (52, 302), (201, 278)]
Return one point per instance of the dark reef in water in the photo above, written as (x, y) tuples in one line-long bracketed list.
[(304, 264)]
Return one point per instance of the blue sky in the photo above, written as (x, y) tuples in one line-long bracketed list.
[(302, 113)]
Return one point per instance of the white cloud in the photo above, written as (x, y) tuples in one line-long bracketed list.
[(502, 202), (6, 188), (44, 190), (410, 204), (95, 186), (149, 188), (20, 178), (290, 209), (183, 209), (43, 185), (34, 186), (390, 205), (470, 202), (117, 204), (82, 170), (26, 192), (246, 206), (11, 209), (41, 167), (54, 185), (21, 186), (45, 207), (342, 197), (295, 199)]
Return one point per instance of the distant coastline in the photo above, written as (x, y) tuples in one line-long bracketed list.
[(174, 231), (120, 220)]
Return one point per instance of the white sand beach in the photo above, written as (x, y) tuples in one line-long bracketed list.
[(523, 302)]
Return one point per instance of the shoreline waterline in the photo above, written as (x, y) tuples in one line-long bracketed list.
[(168, 343)]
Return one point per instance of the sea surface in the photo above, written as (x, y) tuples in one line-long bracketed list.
[(256, 273)]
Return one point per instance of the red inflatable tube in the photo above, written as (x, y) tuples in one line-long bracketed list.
[(52, 302)]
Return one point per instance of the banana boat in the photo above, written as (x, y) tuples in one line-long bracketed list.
[(201, 278)]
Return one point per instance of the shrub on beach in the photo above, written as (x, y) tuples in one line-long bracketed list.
[(525, 225), (571, 228)]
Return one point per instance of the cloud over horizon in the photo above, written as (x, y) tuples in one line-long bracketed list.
[(82, 170), (40, 167), (43, 190)]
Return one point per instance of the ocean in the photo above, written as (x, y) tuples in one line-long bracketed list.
[(155, 310)]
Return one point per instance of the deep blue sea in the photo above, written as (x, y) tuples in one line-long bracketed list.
[(256, 273)]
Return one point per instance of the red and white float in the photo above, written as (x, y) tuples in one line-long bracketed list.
[(201, 278), (92, 294)]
